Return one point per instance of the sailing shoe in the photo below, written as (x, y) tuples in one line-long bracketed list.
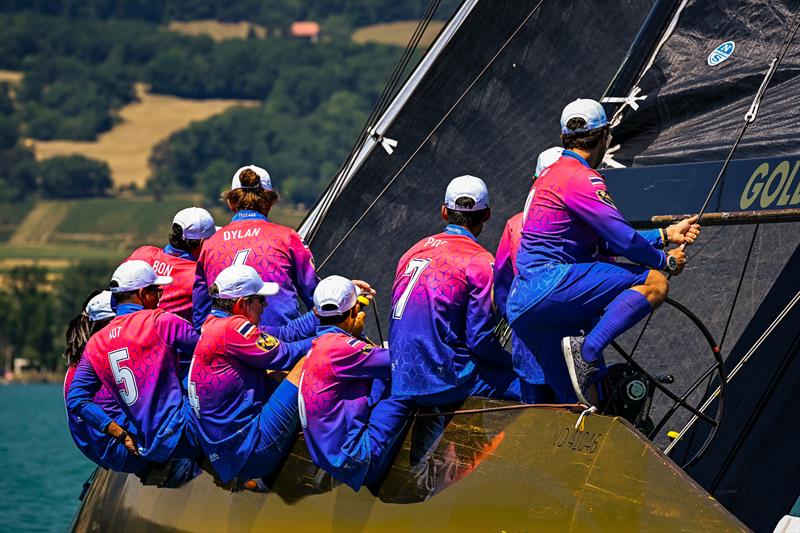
[(582, 373)]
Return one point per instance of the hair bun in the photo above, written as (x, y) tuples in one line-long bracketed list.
[(249, 179)]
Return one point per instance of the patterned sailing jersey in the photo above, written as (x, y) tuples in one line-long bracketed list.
[(505, 266), (228, 386), (169, 261), (335, 401), (135, 358), (276, 252), (442, 314)]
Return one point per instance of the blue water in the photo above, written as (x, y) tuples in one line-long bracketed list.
[(41, 471)]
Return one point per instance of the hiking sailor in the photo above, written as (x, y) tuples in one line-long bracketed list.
[(135, 358), (350, 421), (245, 431), (505, 266), (566, 279), (441, 334)]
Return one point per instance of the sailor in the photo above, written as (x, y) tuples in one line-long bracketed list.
[(178, 259), (135, 358), (350, 421), (244, 431), (505, 266), (441, 334), (565, 281), (101, 448), (277, 253)]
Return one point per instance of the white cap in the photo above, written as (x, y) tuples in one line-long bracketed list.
[(467, 187), (589, 110), (266, 182), (335, 291), (196, 223), (547, 158), (241, 281), (134, 275), (99, 307)]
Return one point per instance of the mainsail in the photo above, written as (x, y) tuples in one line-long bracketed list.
[(486, 101)]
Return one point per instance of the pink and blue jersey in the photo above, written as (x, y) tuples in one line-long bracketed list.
[(335, 401), (442, 314), (276, 252), (135, 358), (228, 386), (181, 265), (505, 266), (570, 218)]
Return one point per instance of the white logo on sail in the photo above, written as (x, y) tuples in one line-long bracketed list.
[(721, 53)]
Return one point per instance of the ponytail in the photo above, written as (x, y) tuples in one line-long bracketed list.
[(79, 331), (251, 196)]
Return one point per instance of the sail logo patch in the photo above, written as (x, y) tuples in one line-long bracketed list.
[(721, 53)]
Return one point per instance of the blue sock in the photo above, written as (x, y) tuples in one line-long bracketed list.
[(621, 314)]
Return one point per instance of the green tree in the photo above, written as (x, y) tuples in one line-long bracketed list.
[(74, 176)]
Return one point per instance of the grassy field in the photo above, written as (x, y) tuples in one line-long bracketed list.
[(55, 234), (219, 31), (127, 146), (396, 33)]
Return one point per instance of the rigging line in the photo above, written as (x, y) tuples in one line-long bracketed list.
[(739, 365), (749, 118), (336, 185), (428, 137)]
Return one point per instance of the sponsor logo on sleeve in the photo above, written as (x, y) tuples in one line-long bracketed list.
[(267, 342), (605, 198)]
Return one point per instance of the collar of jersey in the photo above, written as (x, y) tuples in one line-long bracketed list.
[(126, 309), (322, 330), (454, 229), (247, 214), (171, 250), (570, 153), (219, 313)]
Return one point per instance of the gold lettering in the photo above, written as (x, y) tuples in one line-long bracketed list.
[(767, 197), (784, 199), (748, 199)]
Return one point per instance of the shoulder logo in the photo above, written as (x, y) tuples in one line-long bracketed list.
[(605, 198), (721, 53), (267, 342), (595, 180), (245, 329)]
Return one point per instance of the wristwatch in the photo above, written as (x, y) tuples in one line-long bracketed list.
[(672, 263), (122, 436)]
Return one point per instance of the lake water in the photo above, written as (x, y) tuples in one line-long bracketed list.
[(41, 471)]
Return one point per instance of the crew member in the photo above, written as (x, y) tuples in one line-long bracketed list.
[(505, 266), (245, 432), (98, 447), (349, 432), (178, 259), (135, 357), (441, 334), (563, 285), (277, 253)]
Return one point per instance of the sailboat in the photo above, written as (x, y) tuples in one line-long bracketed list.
[(700, 430)]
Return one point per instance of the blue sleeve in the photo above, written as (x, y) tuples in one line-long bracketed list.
[(656, 238), (85, 384), (300, 328), (201, 301), (592, 203), (481, 321)]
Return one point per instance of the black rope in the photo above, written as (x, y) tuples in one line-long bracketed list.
[(384, 100), (428, 137)]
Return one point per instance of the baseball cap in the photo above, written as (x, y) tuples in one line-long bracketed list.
[(547, 158), (196, 223), (241, 281), (335, 295), (589, 110), (99, 307), (266, 182), (134, 275), (467, 187)]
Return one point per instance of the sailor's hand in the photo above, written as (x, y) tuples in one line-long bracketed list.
[(127, 440), (364, 288), (358, 327), (130, 444), (684, 232), (680, 256)]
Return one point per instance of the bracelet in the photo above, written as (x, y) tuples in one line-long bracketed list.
[(122, 436)]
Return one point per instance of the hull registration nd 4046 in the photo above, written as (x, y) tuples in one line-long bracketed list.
[(577, 441)]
